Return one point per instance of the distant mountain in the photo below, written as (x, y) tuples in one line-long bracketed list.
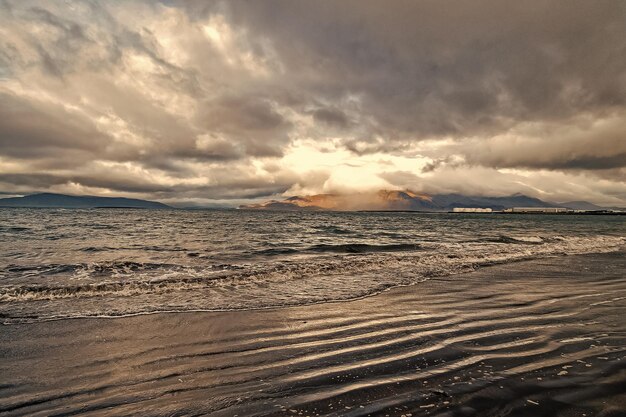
[(581, 205), (381, 200), (49, 200), (399, 200), (451, 201)]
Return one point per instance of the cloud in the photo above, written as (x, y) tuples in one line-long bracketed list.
[(583, 143), (426, 68), (547, 185), (39, 131), (252, 123), (201, 101), (331, 116)]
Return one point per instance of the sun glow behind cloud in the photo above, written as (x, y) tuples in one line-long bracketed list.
[(344, 170)]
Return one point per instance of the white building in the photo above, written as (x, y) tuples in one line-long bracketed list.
[(536, 210), (471, 210)]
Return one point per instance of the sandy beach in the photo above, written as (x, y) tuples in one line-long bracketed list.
[(536, 338)]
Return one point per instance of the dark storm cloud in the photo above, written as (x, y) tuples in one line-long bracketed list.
[(249, 121), (232, 187), (437, 163), (582, 162), (116, 182), (28, 131), (331, 116), (574, 145), (194, 98), (436, 68)]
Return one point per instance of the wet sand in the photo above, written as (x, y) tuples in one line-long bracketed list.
[(534, 338)]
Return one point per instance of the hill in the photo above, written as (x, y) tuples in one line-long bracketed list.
[(393, 200), (451, 201), (581, 205), (50, 200), (381, 200)]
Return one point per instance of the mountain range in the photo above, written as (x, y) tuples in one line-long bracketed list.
[(50, 200), (383, 200), (394, 200)]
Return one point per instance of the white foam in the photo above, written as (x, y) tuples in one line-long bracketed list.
[(270, 283)]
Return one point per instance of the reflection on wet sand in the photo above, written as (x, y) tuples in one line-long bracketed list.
[(538, 338)]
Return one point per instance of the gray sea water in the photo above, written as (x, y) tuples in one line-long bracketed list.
[(57, 263)]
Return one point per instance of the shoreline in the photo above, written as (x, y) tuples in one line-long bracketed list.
[(518, 334), (478, 268)]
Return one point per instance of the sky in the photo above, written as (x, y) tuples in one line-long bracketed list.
[(224, 102)]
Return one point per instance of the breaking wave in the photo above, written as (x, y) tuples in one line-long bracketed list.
[(364, 248), (342, 248), (337, 272)]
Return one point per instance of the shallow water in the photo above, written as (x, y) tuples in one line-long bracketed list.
[(538, 338), (115, 262)]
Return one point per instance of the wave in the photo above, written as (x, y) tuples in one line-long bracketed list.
[(322, 278), (97, 249), (277, 252), (364, 248), (15, 230), (91, 269), (334, 230), (522, 240), (152, 248)]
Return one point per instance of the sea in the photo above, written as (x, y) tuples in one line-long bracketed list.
[(62, 263)]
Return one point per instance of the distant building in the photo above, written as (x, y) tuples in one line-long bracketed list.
[(536, 210), (471, 210)]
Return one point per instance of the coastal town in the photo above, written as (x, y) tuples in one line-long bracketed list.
[(536, 210)]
